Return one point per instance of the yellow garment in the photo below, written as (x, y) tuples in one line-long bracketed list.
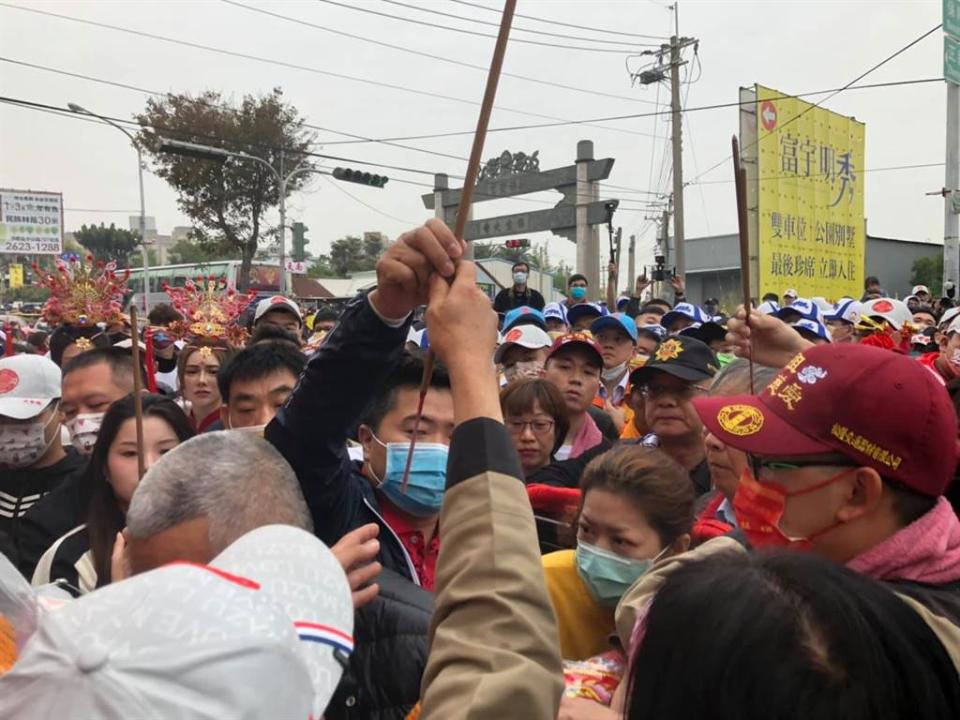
[(584, 624), (630, 431)]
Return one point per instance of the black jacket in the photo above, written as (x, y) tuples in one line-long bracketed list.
[(392, 632), (66, 496), (310, 430), (507, 300)]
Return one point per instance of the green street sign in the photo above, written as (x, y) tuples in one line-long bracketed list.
[(951, 17), (951, 59)]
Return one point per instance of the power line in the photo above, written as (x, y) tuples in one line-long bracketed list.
[(439, 58), (368, 205), (563, 24), (513, 28), (283, 63), (811, 177), (820, 102), (222, 106), (632, 116), (473, 32), (29, 104)]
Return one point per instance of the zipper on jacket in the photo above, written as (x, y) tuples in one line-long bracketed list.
[(406, 555)]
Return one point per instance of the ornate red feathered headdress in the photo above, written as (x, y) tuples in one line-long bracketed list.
[(83, 293), (210, 309)]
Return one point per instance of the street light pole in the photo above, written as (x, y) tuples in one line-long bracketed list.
[(208, 152), (143, 212)]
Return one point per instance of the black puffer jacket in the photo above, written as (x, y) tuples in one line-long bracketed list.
[(391, 632)]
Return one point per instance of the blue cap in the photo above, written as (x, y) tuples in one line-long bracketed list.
[(657, 331), (555, 311), (812, 329), (684, 310), (806, 309), (616, 320), (847, 310), (524, 315), (622, 302), (581, 310)]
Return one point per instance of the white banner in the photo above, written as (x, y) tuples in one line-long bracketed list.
[(297, 268), (31, 223)]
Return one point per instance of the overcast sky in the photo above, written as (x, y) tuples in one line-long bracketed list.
[(795, 47)]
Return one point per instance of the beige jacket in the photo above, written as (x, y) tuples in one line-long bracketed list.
[(494, 650)]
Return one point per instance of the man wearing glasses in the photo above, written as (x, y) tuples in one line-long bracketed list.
[(680, 369)]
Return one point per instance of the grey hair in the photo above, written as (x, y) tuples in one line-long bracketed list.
[(734, 379), (236, 480)]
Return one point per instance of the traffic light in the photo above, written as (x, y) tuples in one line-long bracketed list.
[(358, 176), (299, 246), (516, 244)]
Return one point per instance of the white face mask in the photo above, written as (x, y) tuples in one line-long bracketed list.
[(517, 371), (22, 445), (520, 278), (84, 429), (614, 373)]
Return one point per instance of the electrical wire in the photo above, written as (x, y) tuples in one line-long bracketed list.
[(632, 116), (561, 24), (290, 65), (888, 168), (408, 223), (424, 23), (439, 58), (834, 93), (512, 29)]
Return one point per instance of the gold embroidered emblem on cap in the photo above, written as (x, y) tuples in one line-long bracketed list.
[(668, 350), (740, 419)]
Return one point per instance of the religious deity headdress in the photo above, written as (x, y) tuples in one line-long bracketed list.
[(83, 293), (210, 310)]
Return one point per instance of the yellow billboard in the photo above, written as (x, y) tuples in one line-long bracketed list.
[(16, 275), (810, 177)]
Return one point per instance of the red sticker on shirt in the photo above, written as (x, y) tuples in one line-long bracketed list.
[(883, 306), (8, 380)]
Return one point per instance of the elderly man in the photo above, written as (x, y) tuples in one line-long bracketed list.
[(180, 513)]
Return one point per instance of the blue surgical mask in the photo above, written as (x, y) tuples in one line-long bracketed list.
[(520, 278), (608, 575), (427, 481), (578, 293)]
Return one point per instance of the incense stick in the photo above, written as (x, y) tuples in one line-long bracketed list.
[(740, 180), (466, 196), (137, 390)]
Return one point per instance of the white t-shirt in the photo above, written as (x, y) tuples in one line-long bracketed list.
[(563, 453)]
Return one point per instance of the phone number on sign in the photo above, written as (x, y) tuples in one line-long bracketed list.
[(30, 246)]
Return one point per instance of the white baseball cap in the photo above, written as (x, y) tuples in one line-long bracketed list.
[(920, 289), (28, 383), (947, 318), (554, 310), (893, 311), (528, 336), (847, 310), (303, 576), (277, 302), (185, 641), (790, 293)]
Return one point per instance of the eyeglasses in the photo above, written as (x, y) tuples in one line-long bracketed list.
[(682, 392), (765, 468), (537, 427)]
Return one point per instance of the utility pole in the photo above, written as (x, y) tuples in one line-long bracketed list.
[(951, 191), (677, 132), (631, 264)]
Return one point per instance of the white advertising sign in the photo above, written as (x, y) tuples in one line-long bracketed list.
[(31, 223)]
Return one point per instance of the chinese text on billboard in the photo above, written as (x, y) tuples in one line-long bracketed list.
[(31, 223)]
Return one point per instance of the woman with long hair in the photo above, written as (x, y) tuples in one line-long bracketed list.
[(82, 556), (197, 368)]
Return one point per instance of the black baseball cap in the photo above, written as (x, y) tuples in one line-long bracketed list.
[(681, 356)]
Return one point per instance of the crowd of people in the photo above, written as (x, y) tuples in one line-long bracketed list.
[(507, 509)]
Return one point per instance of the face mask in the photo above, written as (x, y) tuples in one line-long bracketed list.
[(578, 293), (22, 445), (759, 507), (426, 483), (520, 278), (520, 370), (608, 575), (83, 430), (252, 429), (614, 373)]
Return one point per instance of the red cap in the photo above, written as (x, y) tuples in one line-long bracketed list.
[(580, 338), (878, 408)]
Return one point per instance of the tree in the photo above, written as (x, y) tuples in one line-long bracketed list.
[(347, 255), (136, 259), (228, 200), (108, 243), (928, 271), (195, 252)]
